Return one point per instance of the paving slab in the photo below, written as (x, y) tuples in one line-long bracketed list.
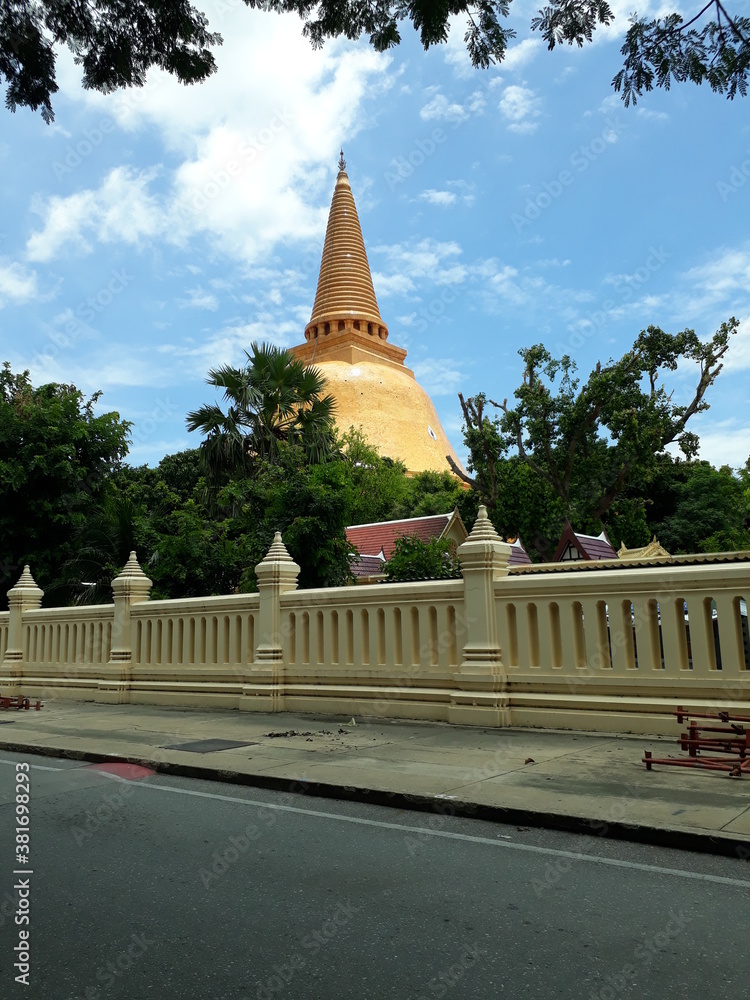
[(569, 780)]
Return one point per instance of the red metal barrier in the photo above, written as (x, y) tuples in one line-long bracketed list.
[(731, 741), (19, 702)]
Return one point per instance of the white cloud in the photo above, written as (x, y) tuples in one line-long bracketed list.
[(652, 116), (443, 198), (520, 107), (439, 108), (439, 376), (120, 209), (105, 367), (425, 260), (391, 284), (17, 283), (456, 53), (152, 452), (467, 191), (725, 445), (522, 54), (724, 279), (197, 298), (245, 164), (738, 355)]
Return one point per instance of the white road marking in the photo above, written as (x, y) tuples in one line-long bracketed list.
[(38, 767), (421, 831)]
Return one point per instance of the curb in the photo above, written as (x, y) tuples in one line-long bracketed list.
[(685, 840)]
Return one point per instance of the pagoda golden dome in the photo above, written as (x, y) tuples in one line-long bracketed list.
[(347, 340)]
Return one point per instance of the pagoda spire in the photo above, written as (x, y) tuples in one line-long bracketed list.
[(345, 298)]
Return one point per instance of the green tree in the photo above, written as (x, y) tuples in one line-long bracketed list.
[(526, 506), (192, 545), (56, 458), (438, 493), (101, 546), (588, 442), (306, 504), (710, 513), (117, 43), (274, 398), (376, 487), (114, 43), (414, 559)]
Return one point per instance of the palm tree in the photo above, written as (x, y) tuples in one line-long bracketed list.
[(102, 545), (272, 399)]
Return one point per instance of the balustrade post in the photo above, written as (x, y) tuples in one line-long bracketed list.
[(277, 574), (480, 695), (25, 596), (131, 587)]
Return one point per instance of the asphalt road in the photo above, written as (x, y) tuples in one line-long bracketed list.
[(166, 887)]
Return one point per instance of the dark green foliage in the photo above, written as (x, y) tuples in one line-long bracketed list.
[(114, 41), (101, 547), (667, 49), (376, 487), (306, 504), (414, 559), (528, 507), (56, 458), (627, 522), (709, 514)]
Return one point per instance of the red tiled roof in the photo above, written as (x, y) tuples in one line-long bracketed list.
[(371, 539)]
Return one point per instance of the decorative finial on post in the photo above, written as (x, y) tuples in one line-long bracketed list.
[(342, 162)]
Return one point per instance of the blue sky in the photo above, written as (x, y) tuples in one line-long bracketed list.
[(149, 235)]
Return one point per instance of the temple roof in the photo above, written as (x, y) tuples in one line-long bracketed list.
[(587, 546), (654, 550), (345, 288), (380, 537), (518, 554)]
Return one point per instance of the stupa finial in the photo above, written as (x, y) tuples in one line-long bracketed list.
[(342, 161)]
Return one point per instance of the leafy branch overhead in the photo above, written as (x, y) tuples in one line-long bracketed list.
[(116, 42)]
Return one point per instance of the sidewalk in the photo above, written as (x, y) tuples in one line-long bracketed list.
[(592, 784)]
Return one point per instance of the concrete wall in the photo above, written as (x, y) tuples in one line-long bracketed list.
[(609, 650)]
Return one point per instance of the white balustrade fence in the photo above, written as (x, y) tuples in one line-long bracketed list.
[(596, 648)]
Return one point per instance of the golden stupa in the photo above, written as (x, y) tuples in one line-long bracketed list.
[(347, 340)]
